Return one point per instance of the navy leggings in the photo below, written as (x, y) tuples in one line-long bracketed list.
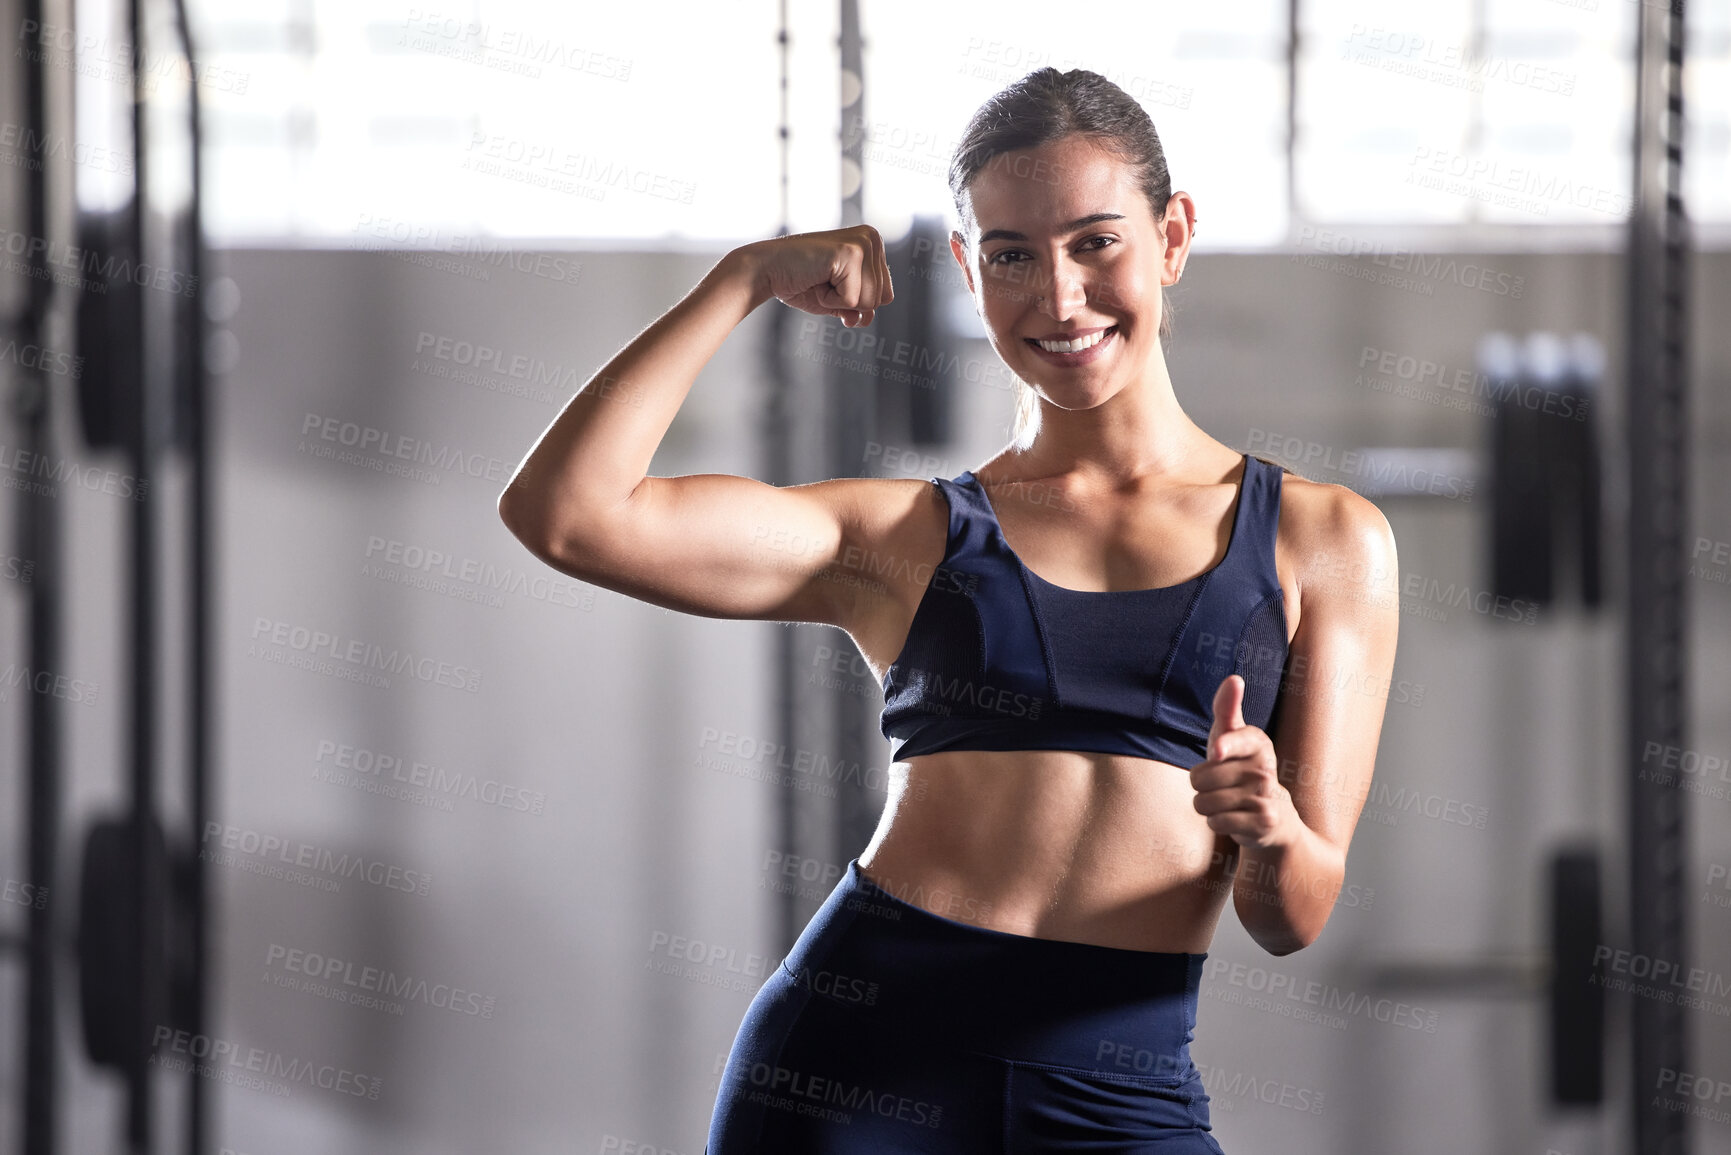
[(892, 1029)]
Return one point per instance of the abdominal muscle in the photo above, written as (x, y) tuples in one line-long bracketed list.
[(1078, 846)]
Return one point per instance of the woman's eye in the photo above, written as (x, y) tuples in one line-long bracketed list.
[(1017, 256)]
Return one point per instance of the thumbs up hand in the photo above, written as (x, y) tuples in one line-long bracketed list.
[(1238, 787)]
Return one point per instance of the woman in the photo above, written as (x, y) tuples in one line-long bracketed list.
[(1092, 647)]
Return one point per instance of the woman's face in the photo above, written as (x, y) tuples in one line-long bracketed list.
[(1066, 265)]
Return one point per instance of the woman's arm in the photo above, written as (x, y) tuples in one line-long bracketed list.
[(711, 544), (1291, 798)]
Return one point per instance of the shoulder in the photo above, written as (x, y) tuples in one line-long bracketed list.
[(879, 512), (1336, 539), (871, 506), (893, 532), (886, 522)]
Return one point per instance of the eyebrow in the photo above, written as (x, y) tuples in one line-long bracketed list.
[(1078, 223)]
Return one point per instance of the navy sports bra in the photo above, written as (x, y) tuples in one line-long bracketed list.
[(998, 658)]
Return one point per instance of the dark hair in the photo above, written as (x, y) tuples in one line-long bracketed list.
[(1044, 106)]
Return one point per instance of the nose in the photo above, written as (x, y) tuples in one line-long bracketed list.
[(1067, 292)]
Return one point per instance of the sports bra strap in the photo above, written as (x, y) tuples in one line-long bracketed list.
[(1258, 519)]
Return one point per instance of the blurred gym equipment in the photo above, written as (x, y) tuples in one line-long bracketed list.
[(137, 302)]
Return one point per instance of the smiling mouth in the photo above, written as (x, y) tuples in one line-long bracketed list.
[(1076, 345)]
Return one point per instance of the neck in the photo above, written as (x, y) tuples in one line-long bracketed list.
[(1139, 431)]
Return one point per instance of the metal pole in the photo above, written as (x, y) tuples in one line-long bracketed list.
[(1658, 501), (41, 540), (778, 442), (200, 564), (142, 610), (853, 396), (1291, 114)]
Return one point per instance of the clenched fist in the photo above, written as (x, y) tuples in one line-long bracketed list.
[(838, 273)]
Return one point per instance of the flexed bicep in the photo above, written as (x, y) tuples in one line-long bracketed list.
[(720, 545)]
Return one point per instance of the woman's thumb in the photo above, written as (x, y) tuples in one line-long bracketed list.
[(1228, 708)]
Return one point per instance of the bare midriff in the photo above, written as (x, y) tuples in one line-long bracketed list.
[(1077, 846)]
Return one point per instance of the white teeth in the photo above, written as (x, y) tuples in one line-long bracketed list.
[(1075, 346)]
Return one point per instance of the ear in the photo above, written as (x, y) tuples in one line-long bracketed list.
[(959, 248), (1178, 227)]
